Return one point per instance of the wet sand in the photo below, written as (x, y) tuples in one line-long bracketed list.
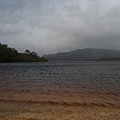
[(60, 91), (22, 110)]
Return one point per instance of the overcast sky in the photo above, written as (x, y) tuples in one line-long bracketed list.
[(50, 26)]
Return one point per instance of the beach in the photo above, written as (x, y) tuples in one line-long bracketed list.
[(12, 110), (59, 59), (60, 91)]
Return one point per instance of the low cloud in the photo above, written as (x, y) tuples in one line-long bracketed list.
[(52, 26)]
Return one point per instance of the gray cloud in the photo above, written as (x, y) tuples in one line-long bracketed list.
[(51, 26)]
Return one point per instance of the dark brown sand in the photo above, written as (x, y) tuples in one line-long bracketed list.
[(21, 110)]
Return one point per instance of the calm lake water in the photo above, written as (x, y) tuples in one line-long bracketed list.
[(70, 82)]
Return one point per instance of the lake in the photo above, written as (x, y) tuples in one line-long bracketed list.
[(70, 83)]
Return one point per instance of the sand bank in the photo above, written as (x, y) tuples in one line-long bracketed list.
[(14, 110)]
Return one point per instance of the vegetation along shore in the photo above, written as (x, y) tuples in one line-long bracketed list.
[(8, 54)]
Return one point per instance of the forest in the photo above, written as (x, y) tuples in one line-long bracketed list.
[(8, 54)]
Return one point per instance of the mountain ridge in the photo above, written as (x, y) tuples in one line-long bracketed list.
[(85, 55)]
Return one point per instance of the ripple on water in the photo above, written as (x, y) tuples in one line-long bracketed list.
[(69, 79)]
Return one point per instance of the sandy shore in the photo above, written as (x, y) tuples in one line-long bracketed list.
[(49, 111)]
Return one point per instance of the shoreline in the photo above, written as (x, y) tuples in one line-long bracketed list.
[(56, 103), (60, 91), (52, 111)]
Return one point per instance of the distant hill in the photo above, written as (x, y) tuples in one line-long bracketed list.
[(85, 55), (8, 54)]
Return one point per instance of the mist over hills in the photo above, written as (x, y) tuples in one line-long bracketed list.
[(85, 55)]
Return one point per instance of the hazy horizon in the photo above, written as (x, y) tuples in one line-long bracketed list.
[(53, 26)]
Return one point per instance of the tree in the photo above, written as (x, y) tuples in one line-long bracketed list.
[(27, 52), (5, 46), (8, 54), (34, 53)]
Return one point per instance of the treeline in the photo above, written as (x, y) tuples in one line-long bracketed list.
[(8, 54)]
